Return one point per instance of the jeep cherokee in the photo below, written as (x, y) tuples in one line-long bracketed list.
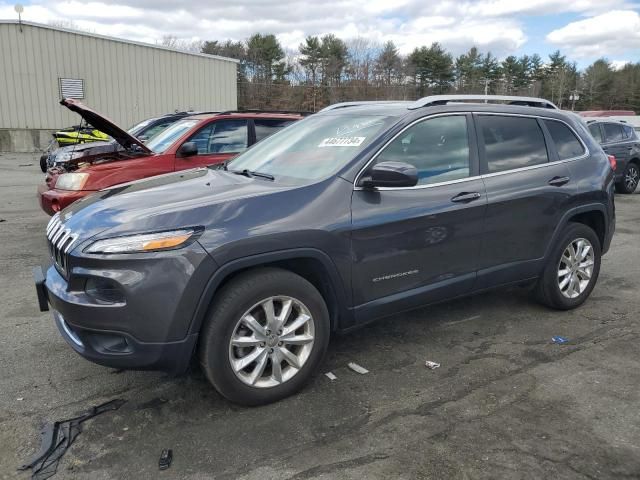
[(358, 212)]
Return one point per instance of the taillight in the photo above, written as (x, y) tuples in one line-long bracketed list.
[(613, 162)]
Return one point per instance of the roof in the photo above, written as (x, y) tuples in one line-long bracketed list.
[(115, 39), (607, 113), (203, 116)]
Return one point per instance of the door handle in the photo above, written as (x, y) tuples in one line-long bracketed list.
[(466, 197), (559, 181)]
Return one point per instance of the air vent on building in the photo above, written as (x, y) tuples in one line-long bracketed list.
[(71, 88)]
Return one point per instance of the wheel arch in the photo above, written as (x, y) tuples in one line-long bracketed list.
[(593, 215), (311, 264)]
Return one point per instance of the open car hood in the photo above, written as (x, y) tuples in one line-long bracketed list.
[(104, 125)]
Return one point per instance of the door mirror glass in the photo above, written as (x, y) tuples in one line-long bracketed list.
[(391, 174), (188, 149)]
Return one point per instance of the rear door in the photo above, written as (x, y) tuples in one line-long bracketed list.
[(420, 244), (528, 190), (616, 144), (217, 142)]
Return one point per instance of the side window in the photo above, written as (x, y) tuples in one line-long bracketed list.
[(201, 139), (437, 147), (266, 127), (512, 142), (613, 132), (229, 136), (628, 132), (594, 128), (224, 136), (567, 144)]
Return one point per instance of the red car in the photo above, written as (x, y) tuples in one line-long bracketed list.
[(194, 141)]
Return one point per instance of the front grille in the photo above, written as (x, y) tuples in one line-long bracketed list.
[(60, 241)]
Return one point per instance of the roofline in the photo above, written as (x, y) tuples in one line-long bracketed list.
[(116, 39)]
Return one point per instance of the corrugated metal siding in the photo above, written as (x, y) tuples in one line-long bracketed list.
[(127, 82)]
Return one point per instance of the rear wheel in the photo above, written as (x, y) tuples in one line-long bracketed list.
[(630, 179), (572, 269), (267, 333)]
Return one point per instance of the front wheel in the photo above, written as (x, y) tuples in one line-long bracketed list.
[(572, 269), (266, 334), (630, 179)]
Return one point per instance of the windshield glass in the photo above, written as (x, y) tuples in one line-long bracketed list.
[(312, 148), (165, 139), (139, 126)]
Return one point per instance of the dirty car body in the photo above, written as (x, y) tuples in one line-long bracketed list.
[(345, 202)]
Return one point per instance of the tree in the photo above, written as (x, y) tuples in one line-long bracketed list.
[(311, 57), (334, 59), (490, 72), (468, 70), (263, 54), (389, 64)]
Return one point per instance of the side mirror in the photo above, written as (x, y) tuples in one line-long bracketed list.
[(187, 149), (391, 174)]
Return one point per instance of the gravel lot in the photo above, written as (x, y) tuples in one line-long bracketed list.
[(506, 402)]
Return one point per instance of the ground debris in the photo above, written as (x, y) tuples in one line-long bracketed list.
[(432, 365), (559, 340), (57, 437), (165, 459), (331, 376), (357, 368)]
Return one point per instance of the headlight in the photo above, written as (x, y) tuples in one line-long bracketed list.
[(66, 156), (72, 181), (147, 242)]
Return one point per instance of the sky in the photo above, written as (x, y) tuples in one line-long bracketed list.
[(584, 30)]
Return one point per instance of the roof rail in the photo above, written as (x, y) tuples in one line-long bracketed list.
[(335, 106), (511, 100), (285, 112)]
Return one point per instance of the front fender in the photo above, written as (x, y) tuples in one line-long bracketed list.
[(264, 259)]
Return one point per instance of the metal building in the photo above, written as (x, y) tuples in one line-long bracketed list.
[(127, 81)]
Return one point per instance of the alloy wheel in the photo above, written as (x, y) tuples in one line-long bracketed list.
[(271, 342), (576, 268), (631, 177)]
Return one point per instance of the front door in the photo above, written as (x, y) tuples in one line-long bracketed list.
[(217, 142), (419, 244)]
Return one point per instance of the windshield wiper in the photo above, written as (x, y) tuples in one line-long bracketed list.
[(251, 173)]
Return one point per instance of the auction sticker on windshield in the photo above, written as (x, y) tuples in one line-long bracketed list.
[(342, 142)]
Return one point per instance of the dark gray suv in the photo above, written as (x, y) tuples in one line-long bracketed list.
[(358, 212), (620, 140)]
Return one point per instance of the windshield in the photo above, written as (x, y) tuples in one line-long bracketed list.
[(139, 126), (312, 148), (165, 139)]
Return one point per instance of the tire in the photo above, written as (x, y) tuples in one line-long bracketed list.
[(244, 295), (43, 163), (549, 291), (630, 179)]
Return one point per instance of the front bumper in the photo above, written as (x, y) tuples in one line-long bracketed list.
[(148, 327), (52, 200)]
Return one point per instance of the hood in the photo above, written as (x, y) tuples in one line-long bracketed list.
[(70, 152), (104, 124), (181, 199)]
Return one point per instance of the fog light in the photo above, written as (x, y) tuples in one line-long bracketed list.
[(103, 290)]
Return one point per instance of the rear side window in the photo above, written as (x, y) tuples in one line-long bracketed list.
[(437, 147), (512, 142), (266, 127), (594, 128), (613, 132), (567, 144), (628, 132)]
